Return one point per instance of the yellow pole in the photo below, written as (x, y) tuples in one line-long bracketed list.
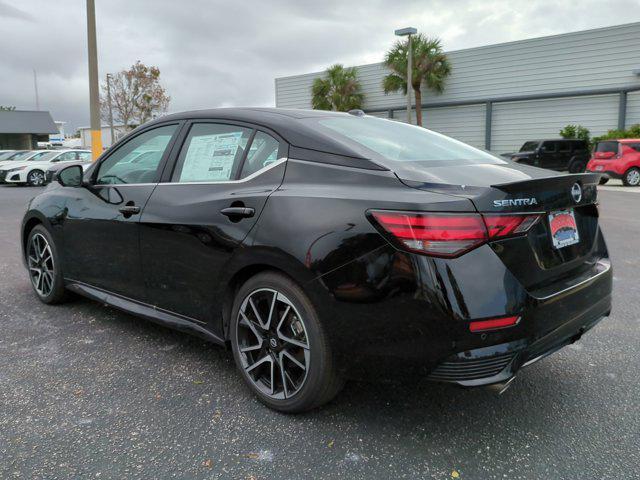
[(94, 92)]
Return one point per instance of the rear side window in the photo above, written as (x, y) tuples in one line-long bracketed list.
[(263, 151), (635, 146), (212, 152), (603, 147), (579, 146), (549, 147), (564, 147)]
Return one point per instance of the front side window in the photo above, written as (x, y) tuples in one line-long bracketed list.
[(263, 151), (120, 166), (66, 157), (212, 152), (387, 141), (529, 146), (84, 156)]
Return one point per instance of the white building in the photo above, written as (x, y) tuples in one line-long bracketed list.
[(118, 130), (498, 96)]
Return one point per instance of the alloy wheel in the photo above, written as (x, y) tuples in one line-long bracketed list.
[(41, 266), (273, 343), (633, 177), (36, 178)]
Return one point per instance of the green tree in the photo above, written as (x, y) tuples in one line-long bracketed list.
[(576, 131), (338, 90), (430, 64)]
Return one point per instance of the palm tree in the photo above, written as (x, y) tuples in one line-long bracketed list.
[(339, 90), (430, 66)]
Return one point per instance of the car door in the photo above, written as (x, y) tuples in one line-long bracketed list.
[(101, 224), (193, 222), (548, 155)]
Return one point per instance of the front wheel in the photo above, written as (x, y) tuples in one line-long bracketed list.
[(280, 347), (35, 178), (44, 266), (632, 177)]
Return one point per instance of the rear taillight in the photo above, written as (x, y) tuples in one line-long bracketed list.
[(449, 234)]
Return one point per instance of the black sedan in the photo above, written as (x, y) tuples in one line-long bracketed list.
[(320, 246)]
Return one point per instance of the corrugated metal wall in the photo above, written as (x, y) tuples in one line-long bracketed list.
[(633, 108), (513, 122), (592, 59)]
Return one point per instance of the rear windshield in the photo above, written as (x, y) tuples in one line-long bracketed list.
[(381, 140), (529, 146), (607, 147)]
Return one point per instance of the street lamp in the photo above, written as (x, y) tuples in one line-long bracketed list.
[(404, 32), (113, 138)]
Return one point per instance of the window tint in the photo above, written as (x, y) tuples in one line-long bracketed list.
[(579, 146), (607, 147), (211, 153), (119, 167), (529, 146), (549, 147), (383, 140), (564, 146), (262, 152)]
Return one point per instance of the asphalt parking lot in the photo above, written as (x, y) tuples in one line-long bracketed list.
[(90, 392)]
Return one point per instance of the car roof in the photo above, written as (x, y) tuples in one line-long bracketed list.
[(628, 140), (285, 122)]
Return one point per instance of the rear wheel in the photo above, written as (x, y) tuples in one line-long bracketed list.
[(577, 166), (44, 266), (280, 347), (631, 177), (35, 178)]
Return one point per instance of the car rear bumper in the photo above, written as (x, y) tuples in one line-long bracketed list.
[(418, 322)]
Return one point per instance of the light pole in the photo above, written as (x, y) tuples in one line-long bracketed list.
[(404, 32), (113, 138), (94, 93)]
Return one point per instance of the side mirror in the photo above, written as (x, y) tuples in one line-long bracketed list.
[(70, 176)]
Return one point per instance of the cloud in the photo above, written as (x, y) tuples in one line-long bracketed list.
[(222, 53)]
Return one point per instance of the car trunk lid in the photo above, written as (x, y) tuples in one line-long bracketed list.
[(513, 189)]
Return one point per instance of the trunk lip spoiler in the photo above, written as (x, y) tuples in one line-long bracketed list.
[(554, 181)]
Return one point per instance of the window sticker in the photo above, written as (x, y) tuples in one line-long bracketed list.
[(210, 157)]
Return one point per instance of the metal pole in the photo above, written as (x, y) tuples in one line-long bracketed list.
[(113, 138), (94, 93), (409, 82), (35, 87)]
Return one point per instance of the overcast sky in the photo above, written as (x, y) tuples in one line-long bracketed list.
[(228, 52)]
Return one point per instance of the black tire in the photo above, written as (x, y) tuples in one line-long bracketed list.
[(577, 166), (631, 177), (603, 180), (36, 178), (56, 293), (320, 382)]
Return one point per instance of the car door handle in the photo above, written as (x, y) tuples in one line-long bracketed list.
[(129, 210), (238, 212)]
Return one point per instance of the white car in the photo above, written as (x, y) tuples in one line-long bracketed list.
[(22, 156), (32, 172)]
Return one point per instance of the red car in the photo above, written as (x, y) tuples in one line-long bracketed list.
[(617, 159)]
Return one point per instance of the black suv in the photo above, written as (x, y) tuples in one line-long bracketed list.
[(561, 155)]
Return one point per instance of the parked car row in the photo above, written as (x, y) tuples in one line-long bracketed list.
[(29, 167), (618, 159)]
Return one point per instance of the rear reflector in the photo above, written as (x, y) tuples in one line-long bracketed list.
[(493, 324), (449, 234)]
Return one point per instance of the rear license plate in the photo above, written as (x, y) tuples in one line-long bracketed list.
[(599, 168), (564, 230)]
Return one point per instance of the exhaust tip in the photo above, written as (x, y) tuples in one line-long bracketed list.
[(500, 388)]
